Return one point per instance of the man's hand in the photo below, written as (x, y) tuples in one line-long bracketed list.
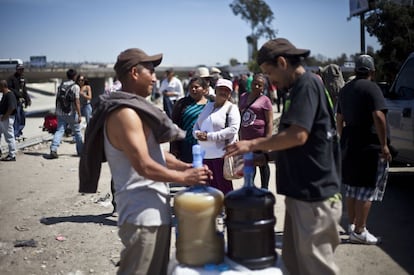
[(198, 175), (238, 148), (385, 153)]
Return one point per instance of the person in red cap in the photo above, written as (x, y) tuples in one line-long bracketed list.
[(127, 131), (307, 161)]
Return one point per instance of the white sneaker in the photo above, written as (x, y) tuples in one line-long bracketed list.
[(364, 237), (351, 228)]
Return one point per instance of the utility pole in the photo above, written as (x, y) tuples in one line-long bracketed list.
[(362, 31)]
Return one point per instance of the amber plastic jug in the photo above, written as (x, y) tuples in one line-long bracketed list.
[(250, 222), (198, 242)]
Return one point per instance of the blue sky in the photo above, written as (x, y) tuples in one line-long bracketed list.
[(187, 32)]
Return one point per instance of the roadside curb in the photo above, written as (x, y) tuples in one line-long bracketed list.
[(28, 142)]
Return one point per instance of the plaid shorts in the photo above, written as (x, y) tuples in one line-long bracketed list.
[(370, 193), (360, 192)]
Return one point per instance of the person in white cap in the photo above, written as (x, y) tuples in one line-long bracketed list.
[(217, 125), (215, 71), (215, 75), (204, 73)]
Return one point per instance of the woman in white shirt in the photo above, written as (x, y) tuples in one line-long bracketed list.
[(217, 126)]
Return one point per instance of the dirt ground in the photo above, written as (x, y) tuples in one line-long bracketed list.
[(47, 227)]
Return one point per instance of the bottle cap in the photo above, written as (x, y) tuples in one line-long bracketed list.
[(209, 267), (223, 267), (197, 156), (196, 149)]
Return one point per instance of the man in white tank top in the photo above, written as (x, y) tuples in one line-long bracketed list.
[(141, 171)]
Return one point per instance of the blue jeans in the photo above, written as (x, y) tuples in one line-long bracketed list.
[(19, 120), (6, 128), (168, 105), (86, 111), (72, 121)]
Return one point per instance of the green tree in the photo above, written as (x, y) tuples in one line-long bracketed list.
[(393, 25), (259, 16), (233, 62)]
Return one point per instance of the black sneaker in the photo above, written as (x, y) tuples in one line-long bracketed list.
[(53, 155), (9, 158)]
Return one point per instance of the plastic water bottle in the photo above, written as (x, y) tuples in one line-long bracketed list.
[(198, 241), (250, 222)]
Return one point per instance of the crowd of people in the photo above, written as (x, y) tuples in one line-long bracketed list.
[(13, 113), (324, 126)]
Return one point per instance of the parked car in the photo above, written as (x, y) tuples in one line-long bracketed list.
[(400, 103)]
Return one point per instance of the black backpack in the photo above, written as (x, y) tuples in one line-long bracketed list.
[(65, 97)]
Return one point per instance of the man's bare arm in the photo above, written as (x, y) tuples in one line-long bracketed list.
[(127, 133)]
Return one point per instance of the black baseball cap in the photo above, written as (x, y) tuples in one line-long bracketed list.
[(279, 47), (132, 57)]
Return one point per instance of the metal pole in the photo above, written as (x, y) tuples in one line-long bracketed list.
[(362, 30)]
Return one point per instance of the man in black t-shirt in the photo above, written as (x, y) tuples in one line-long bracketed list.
[(17, 84), (362, 125), (307, 171)]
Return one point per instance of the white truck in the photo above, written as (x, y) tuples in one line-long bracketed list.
[(9, 64), (400, 103)]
